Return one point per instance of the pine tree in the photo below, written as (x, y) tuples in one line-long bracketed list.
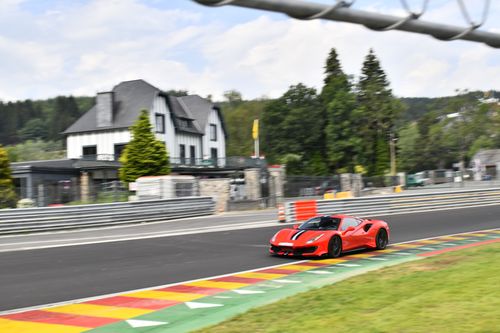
[(292, 125), (376, 116), (144, 155), (7, 194), (338, 103), (65, 113)]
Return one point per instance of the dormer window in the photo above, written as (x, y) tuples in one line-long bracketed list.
[(185, 123)]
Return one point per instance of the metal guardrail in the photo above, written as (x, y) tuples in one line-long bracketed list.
[(391, 204), (25, 220)]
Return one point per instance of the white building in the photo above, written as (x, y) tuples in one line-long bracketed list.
[(191, 127)]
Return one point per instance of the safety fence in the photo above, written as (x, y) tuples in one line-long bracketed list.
[(403, 203), (24, 220)]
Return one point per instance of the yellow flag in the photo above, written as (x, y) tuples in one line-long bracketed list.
[(255, 129)]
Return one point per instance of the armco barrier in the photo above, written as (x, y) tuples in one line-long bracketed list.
[(24, 220), (402, 203)]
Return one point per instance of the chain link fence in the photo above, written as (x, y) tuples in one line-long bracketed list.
[(380, 181), (307, 186), (68, 193)]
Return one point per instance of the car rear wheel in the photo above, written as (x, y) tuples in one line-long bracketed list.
[(335, 247), (381, 239)]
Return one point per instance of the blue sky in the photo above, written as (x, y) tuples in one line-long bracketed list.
[(80, 47)]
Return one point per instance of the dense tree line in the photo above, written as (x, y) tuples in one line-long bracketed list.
[(454, 133), (40, 120), (347, 126)]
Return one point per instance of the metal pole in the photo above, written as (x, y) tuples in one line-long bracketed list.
[(310, 10), (256, 148), (393, 153)]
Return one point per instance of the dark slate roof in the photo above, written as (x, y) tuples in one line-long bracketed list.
[(180, 111), (63, 164), (130, 97), (197, 106)]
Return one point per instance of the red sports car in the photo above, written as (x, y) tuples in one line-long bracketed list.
[(330, 236)]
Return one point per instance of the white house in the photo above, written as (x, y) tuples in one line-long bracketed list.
[(191, 127)]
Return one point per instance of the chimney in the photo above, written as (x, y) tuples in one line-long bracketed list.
[(104, 109)]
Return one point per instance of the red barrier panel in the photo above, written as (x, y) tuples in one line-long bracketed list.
[(305, 209)]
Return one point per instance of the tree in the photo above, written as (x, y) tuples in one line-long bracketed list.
[(144, 155), (239, 120), (36, 150), (408, 143), (292, 125), (233, 97), (376, 116), (64, 114), (34, 129), (7, 195), (339, 102)]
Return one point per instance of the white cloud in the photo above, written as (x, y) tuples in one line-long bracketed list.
[(84, 48)]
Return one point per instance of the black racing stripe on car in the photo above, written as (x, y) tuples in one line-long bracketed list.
[(297, 235)]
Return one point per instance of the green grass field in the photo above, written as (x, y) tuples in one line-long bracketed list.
[(453, 292)]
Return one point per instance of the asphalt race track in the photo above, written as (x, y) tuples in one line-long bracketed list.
[(43, 276)]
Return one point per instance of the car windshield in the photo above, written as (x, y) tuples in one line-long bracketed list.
[(321, 223)]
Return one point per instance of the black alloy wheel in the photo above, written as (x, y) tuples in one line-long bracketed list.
[(381, 239), (335, 247)]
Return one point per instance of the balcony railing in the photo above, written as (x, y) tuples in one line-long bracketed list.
[(100, 157), (239, 162)]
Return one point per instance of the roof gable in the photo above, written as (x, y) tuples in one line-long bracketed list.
[(189, 113), (200, 108), (130, 97)]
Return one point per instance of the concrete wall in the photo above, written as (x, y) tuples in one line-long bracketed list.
[(218, 188), (352, 182), (252, 180), (277, 175)]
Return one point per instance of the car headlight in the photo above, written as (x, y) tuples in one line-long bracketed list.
[(312, 240), (274, 237)]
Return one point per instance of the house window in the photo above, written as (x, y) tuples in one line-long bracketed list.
[(192, 154), (160, 123), (214, 156), (89, 151), (182, 153), (185, 123), (119, 150), (213, 132)]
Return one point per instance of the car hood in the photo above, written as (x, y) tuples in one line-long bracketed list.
[(297, 236)]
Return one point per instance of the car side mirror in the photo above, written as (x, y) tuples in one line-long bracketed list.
[(348, 229), (296, 226)]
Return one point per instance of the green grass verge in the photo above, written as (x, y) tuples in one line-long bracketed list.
[(453, 292)]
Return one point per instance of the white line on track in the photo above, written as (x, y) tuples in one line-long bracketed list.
[(379, 259), (132, 225), (159, 234), (37, 307), (128, 237)]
